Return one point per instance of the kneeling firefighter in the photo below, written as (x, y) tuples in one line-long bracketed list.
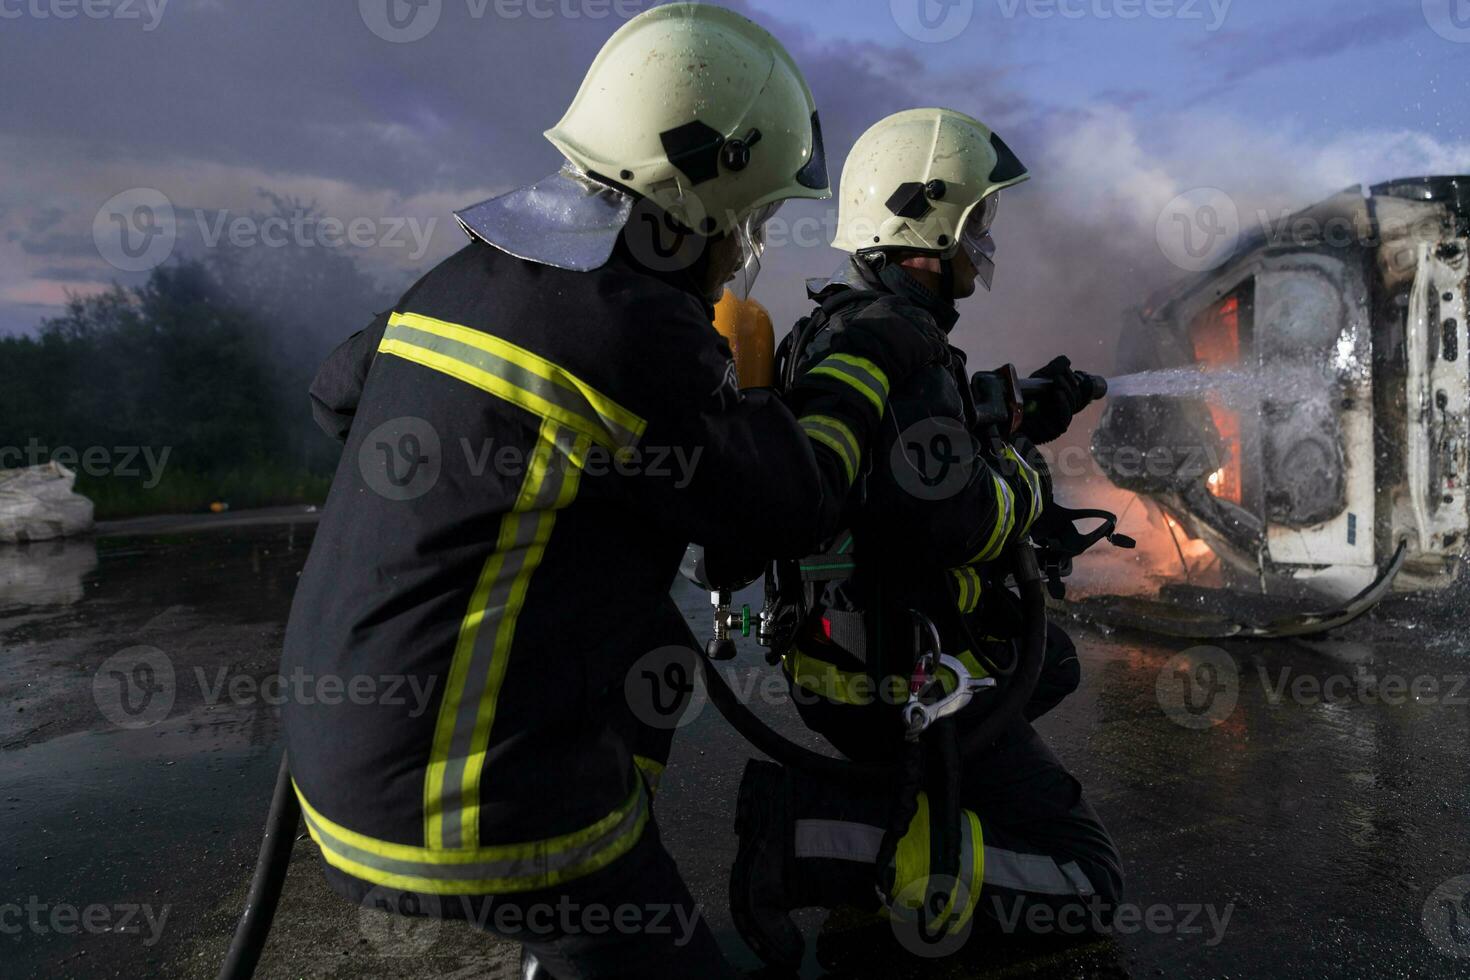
[(533, 434), (939, 501)]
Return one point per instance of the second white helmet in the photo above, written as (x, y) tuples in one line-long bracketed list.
[(925, 180)]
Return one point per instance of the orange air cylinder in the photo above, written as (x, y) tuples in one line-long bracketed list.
[(747, 327)]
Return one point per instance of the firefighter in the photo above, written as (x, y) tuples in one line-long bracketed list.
[(533, 434), (934, 510)]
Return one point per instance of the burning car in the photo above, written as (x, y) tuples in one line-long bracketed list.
[(1305, 406)]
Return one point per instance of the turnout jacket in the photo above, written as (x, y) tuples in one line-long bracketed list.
[(932, 512), (528, 452)]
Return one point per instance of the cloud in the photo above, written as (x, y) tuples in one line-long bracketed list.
[(302, 100), (1239, 54)]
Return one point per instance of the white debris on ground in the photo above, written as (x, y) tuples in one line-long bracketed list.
[(38, 503)]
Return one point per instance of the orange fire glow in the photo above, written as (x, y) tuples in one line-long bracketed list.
[(1216, 337)]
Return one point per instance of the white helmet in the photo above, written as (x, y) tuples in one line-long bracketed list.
[(926, 180), (701, 111)]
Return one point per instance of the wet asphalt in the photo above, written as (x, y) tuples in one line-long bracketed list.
[(1285, 809)]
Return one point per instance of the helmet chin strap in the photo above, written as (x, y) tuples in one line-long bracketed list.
[(902, 283)]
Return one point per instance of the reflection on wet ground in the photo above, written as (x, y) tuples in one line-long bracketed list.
[(1285, 809)]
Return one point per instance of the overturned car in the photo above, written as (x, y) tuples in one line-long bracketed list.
[(1305, 406)]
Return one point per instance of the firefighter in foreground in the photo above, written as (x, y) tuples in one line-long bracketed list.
[(505, 523), (933, 510)]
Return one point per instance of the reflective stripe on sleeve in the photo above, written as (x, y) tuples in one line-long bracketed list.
[(1005, 522), (967, 581), (836, 436), (858, 373)]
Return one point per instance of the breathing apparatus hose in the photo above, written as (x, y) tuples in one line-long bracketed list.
[(270, 877), (1029, 659), (1018, 691)]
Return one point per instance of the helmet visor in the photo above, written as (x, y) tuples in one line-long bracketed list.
[(751, 232), (977, 242)]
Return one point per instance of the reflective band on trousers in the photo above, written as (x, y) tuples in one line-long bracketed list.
[(513, 373), (485, 870), (1035, 874), (915, 883), (482, 652)]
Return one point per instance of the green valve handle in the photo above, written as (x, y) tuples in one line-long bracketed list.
[(745, 619)]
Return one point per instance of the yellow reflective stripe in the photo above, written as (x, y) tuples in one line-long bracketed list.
[(976, 841), (911, 856), (836, 436), (859, 373), (911, 866), (482, 651), (513, 373), (490, 870), (972, 665), (968, 581), (1005, 521), (652, 769), (830, 682), (1033, 485)]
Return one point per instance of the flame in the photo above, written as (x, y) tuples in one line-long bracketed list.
[(1217, 343)]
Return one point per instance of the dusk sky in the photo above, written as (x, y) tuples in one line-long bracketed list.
[(1118, 106)]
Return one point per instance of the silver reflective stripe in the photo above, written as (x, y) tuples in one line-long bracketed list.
[(859, 373), (566, 399), (1033, 873), (524, 866), (522, 528), (479, 672), (838, 438), (1079, 878), (838, 839)]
